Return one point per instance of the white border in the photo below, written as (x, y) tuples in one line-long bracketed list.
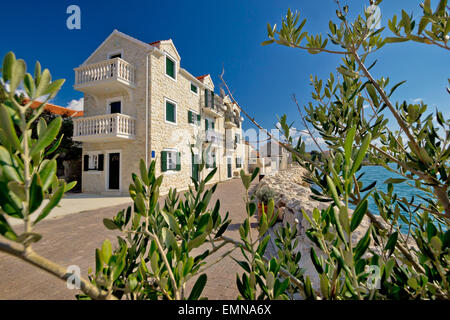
[(114, 99), (171, 171), (190, 88), (91, 171), (111, 53), (106, 168), (165, 110), (167, 55)]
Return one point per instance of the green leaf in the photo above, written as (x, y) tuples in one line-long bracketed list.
[(395, 39), (267, 42), (361, 153), (395, 180), (349, 143), (17, 74), (8, 63), (144, 173), (395, 87), (54, 87), (196, 242), (392, 241), (106, 251), (210, 175), (48, 136), (198, 287), (44, 80), (358, 215), (315, 261), (47, 173), (334, 194), (18, 189), (6, 230), (246, 179), (171, 221), (362, 245), (109, 224), (36, 194), (222, 229), (7, 126)]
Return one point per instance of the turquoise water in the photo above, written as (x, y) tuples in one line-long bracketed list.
[(380, 174)]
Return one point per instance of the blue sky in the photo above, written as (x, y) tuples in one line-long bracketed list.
[(212, 34)]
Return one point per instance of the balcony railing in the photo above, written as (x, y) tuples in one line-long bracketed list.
[(112, 69), (104, 127)]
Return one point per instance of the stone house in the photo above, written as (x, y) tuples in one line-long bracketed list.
[(139, 103)]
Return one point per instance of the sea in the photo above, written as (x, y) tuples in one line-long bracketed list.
[(404, 189)]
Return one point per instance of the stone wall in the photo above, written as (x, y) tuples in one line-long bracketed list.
[(293, 196)]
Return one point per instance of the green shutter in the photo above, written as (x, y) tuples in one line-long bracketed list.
[(214, 160), (206, 98), (212, 99), (212, 125), (206, 124), (170, 111), (163, 161), (193, 88), (190, 117), (199, 119), (178, 161), (170, 68)]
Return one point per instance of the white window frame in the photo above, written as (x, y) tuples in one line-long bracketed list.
[(106, 169), (165, 111), (190, 88), (115, 99), (168, 56), (196, 113), (90, 154), (171, 151), (111, 53)]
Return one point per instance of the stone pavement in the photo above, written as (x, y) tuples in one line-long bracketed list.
[(72, 239)]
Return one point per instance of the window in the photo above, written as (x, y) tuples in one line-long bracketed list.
[(193, 117), (115, 107), (209, 124), (211, 159), (194, 88), (170, 160), (93, 162), (209, 99), (171, 112), (238, 162), (115, 54), (170, 67)]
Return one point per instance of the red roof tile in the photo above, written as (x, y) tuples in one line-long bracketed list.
[(202, 77), (57, 109)]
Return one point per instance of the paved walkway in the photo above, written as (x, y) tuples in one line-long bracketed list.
[(71, 239)]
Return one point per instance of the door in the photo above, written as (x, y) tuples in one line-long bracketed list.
[(229, 168), (115, 107), (114, 171), (195, 166)]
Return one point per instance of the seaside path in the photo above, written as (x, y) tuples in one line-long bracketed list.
[(72, 239)]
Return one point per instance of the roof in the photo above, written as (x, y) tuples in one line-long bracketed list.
[(202, 77), (57, 109)]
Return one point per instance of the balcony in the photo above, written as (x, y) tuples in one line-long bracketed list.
[(211, 112), (109, 76), (104, 128), (212, 137)]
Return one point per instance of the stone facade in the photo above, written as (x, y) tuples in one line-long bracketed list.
[(144, 99)]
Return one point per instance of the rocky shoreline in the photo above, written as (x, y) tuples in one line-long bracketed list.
[(292, 194)]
